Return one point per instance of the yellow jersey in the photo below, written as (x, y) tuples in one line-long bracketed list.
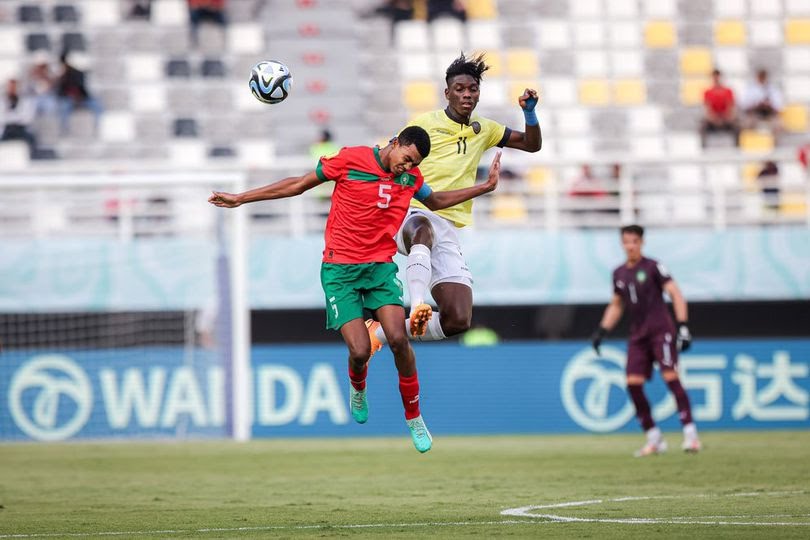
[(455, 151)]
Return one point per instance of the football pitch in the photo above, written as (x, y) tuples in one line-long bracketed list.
[(744, 485)]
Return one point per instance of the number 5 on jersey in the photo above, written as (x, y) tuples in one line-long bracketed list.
[(385, 197)]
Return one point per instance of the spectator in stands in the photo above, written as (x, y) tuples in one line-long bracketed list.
[(446, 8), (41, 84), (205, 10), (396, 10), (588, 184), (768, 178), (324, 146), (73, 94), (761, 102), (720, 113), (140, 9), (16, 116)]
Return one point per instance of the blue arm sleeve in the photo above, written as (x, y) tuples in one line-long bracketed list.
[(423, 192)]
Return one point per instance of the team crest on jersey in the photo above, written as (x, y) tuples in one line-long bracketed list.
[(641, 276), (476, 127)]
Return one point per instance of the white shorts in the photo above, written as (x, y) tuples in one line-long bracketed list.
[(447, 262)]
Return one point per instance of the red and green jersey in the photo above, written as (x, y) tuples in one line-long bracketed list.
[(368, 205)]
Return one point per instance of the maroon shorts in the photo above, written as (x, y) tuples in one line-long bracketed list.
[(643, 351)]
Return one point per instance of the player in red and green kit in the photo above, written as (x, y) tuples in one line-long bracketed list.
[(373, 189)]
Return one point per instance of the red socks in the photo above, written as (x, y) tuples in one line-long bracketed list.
[(409, 388), (684, 409), (642, 406), (358, 380)]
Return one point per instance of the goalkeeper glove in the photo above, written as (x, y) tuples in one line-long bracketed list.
[(597, 337), (684, 337)]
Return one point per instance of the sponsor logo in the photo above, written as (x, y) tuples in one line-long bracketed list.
[(593, 390), (50, 398)]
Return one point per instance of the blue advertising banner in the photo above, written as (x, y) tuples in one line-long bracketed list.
[(303, 391)]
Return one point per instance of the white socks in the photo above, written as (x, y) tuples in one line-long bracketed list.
[(433, 331), (654, 435), (690, 432), (417, 273)]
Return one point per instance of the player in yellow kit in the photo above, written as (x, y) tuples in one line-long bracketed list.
[(458, 139)]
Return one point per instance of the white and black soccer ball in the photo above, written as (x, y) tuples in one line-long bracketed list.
[(270, 81)]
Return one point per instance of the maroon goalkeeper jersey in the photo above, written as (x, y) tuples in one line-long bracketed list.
[(368, 205)]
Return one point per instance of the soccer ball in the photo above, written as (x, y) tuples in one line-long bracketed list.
[(270, 81)]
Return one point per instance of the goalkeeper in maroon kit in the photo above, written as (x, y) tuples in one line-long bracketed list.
[(638, 286), (373, 189)]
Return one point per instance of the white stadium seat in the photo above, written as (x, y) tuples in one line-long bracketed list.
[(117, 126), (245, 38), (144, 67), (448, 34), (765, 33), (169, 13), (101, 13), (483, 34), (14, 155), (411, 35), (148, 98)]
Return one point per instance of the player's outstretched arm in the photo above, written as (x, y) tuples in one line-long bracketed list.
[(445, 199), (289, 187), (681, 314), (613, 312), (531, 140)]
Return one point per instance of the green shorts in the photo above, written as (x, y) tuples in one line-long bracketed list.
[(351, 287)]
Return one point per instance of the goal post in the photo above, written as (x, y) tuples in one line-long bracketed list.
[(123, 306)]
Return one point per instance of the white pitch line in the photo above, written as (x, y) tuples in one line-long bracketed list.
[(282, 528), (528, 512)]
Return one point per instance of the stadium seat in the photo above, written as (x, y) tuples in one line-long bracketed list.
[(539, 178), (729, 33), (553, 34), (628, 63), (212, 67), (185, 127), (591, 64), (187, 153), (421, 96), (148, 98), (14, 155), (482, 9), (659, 34), (510, 208), (797, 88), (731, 60), (169, 13), (65, 13), (752, 141), (659, 9), (178, 67), (794, 118), (494, 60), (589, 34), (416, 66), (117, 127), (585, 9), (692, 90), (255, 153), (696, 61), (30, 13), (448, 34), (683, 145), (574, 121), (37, 42), (797, 7), (221, 152), (483, 34), (647, 147), (730, 8), (101, 13), (575, 149), (558, 91), (594, 92), (624, 34), (796, 60), (73, 41), (495, 95), (245, 38), (689, 208), (143, 67), (765, 33), (629, 92), (793, 205), (521, 63), (797, 31), (645, 120), (685, 177), (411, 36)]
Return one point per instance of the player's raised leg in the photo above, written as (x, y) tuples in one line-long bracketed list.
[(356, 337), (392, 319)]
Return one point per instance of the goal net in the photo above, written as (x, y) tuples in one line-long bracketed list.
[(122, 310)]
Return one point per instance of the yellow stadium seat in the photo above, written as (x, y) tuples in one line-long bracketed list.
[(507, 207), (539, 178), (659, 34), (594, 92), (521, 63), (420, 10), (629, 92), (750, 172), (794, 118), (692, 90), (797, 31), (696, 61), (753, 142), (495, 62), (729, 33), (421, 96), (793, 205), (481, 9)]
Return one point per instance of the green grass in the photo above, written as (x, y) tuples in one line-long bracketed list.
[(316, 488)]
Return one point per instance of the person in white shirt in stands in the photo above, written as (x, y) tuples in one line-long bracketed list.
[(761, 102)]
